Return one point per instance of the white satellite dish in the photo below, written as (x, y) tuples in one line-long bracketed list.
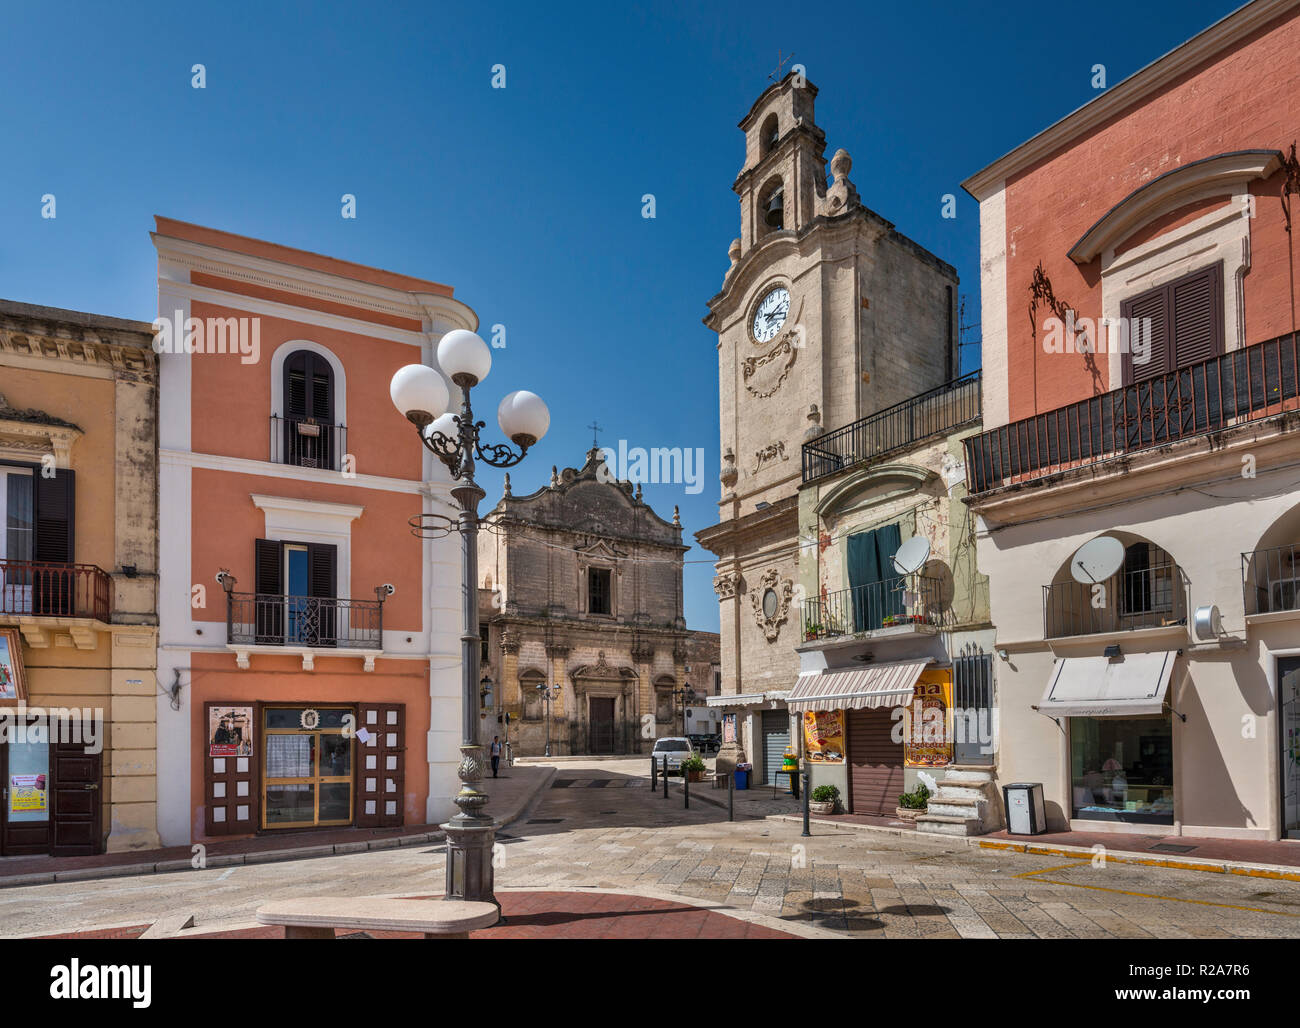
[(1097, 559), (912, 555)]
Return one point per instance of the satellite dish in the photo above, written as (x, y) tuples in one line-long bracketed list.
[(1097, 559), (912, 555)]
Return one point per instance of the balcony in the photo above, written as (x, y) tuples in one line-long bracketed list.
[(913, 603), (305, 443), (936, 412), (1135, 597), (43, 589), (1250, 384), (1270, 579), (303, 624)]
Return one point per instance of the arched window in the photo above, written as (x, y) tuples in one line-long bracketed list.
[(769, 134), (308, 422)]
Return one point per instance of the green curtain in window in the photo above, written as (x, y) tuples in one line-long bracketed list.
[(876, 591)]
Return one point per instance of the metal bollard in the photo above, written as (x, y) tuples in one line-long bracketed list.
[(806, 833), (686, 789), (665, 777), (731, 796), (654, 782)]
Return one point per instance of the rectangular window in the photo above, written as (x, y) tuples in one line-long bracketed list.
[(1122, 770), (598, 591), (307, 768), (1174, 325)]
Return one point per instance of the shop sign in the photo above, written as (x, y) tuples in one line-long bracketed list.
[(823, 736), (929, 730), (230, 731), (26, 793), (13, 682)]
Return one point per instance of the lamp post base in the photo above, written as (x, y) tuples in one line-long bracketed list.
[(469, 862)]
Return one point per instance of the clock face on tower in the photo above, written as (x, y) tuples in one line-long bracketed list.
[(771, 314)]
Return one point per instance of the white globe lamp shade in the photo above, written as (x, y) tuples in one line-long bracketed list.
[(462, 353), (523, 415), (419, 390), (446, 425)]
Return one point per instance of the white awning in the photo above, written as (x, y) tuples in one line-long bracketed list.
[(746, 699), (884, 685), (1131, 686)]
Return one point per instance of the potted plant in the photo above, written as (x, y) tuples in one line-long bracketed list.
[(812, 632), (693, 768), (912, 805), (823, 799), (888, 621)]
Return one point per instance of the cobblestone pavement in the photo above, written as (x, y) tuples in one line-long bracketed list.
[(620, 836)]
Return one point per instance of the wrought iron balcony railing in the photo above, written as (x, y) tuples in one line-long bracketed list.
[(890, 603), (1270, 579), (940, 410), (42, 588), (1155, 596), (269, 619), (1255, 382), (306, 443)]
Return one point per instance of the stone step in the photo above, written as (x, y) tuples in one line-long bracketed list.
[(958, 808), (977, 790), (967, 773), (944, 824)]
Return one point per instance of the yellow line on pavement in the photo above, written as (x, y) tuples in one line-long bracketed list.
[(1178, 865), (1143, 895)]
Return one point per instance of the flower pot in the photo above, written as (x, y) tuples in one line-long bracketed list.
[(827, 807), (695, 776), (909, 814)]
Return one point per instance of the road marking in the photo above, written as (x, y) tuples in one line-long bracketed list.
[(1143, 895)]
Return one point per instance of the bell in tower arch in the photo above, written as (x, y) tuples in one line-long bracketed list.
[(775, 214)]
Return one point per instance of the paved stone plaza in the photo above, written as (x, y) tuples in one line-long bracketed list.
[(619, 837)]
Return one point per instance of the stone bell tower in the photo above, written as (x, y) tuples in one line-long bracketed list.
[(826, 315)]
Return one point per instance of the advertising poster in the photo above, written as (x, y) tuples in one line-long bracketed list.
[(823, 736), (230, 731), (12, 686), (728, 728), (929, 729), (26, 793)]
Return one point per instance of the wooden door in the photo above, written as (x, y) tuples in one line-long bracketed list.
[(77, 807), (875, 762), (600, 721), (380, 763), (23, 832)]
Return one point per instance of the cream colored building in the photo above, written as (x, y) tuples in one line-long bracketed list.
[(78, 576), (826, 314)]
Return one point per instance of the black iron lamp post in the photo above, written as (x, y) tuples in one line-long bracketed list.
[(421, 395), (548, 693)]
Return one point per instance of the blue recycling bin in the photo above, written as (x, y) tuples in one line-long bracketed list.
[(742, 776)]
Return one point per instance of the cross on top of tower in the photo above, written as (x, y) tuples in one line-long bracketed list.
[(776, 75), (595, 429)]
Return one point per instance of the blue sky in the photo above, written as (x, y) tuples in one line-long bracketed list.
[(526, 199)]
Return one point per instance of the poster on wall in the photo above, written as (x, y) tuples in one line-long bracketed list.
[(929, 717), (823, 736), (13, 681), (27, 793), (728, 728), (230, 731)]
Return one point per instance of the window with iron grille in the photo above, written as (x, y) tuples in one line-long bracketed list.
[(598, 591), (973, 705)]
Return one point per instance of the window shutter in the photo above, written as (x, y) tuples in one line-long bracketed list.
[(54, 516), (268, 608), (1147, 316), (322, 563), (308, 387), (1198, 316), (295, 385)]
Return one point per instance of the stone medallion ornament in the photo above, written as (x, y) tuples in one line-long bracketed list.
[(771, 600)]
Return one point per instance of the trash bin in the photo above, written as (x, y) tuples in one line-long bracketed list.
[(1025, 814), (742, 775)]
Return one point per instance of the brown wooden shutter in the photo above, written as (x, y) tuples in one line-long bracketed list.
[(1147, 315), (322, 564), (54, 514), (268, 584), (232, 784), (381, 766), (1197, 304)]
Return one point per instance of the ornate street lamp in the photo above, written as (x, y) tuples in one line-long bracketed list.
[(548, 693), (421, 395)]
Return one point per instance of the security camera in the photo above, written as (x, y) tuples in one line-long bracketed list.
[(389, 588), (222, 575)]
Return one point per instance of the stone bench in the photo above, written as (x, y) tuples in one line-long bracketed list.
[(317, 917)]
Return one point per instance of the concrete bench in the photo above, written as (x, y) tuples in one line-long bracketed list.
[(317, 917)]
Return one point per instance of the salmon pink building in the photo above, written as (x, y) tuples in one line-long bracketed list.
[(309, 665), (1136, 482)]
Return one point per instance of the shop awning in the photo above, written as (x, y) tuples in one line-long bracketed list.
[(746, 699), (884, 685), (1129, 686)]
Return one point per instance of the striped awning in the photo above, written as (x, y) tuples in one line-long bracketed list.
[(884, 685), (746, 699)]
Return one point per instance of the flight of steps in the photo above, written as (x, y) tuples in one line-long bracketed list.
[(964, 803)]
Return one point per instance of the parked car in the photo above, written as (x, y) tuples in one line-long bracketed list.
[(670, 751), (706, 743)]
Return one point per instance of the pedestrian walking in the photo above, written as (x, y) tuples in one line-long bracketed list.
[(496, 754)]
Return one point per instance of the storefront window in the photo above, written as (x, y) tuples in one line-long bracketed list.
[(308, 767), (1122, 770)]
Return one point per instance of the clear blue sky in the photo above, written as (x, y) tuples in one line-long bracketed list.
[(527, 200)]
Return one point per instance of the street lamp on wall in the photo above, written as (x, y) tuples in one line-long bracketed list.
[(421, 395)]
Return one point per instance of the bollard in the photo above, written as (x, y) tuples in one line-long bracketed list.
[(664, 776), (731, 796), (806, 833), (654, 782), (686, 789)]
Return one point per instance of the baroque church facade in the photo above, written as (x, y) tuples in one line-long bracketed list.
[(826, 315), (585, 645)]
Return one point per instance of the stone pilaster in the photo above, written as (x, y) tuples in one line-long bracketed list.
[(132, 722)]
